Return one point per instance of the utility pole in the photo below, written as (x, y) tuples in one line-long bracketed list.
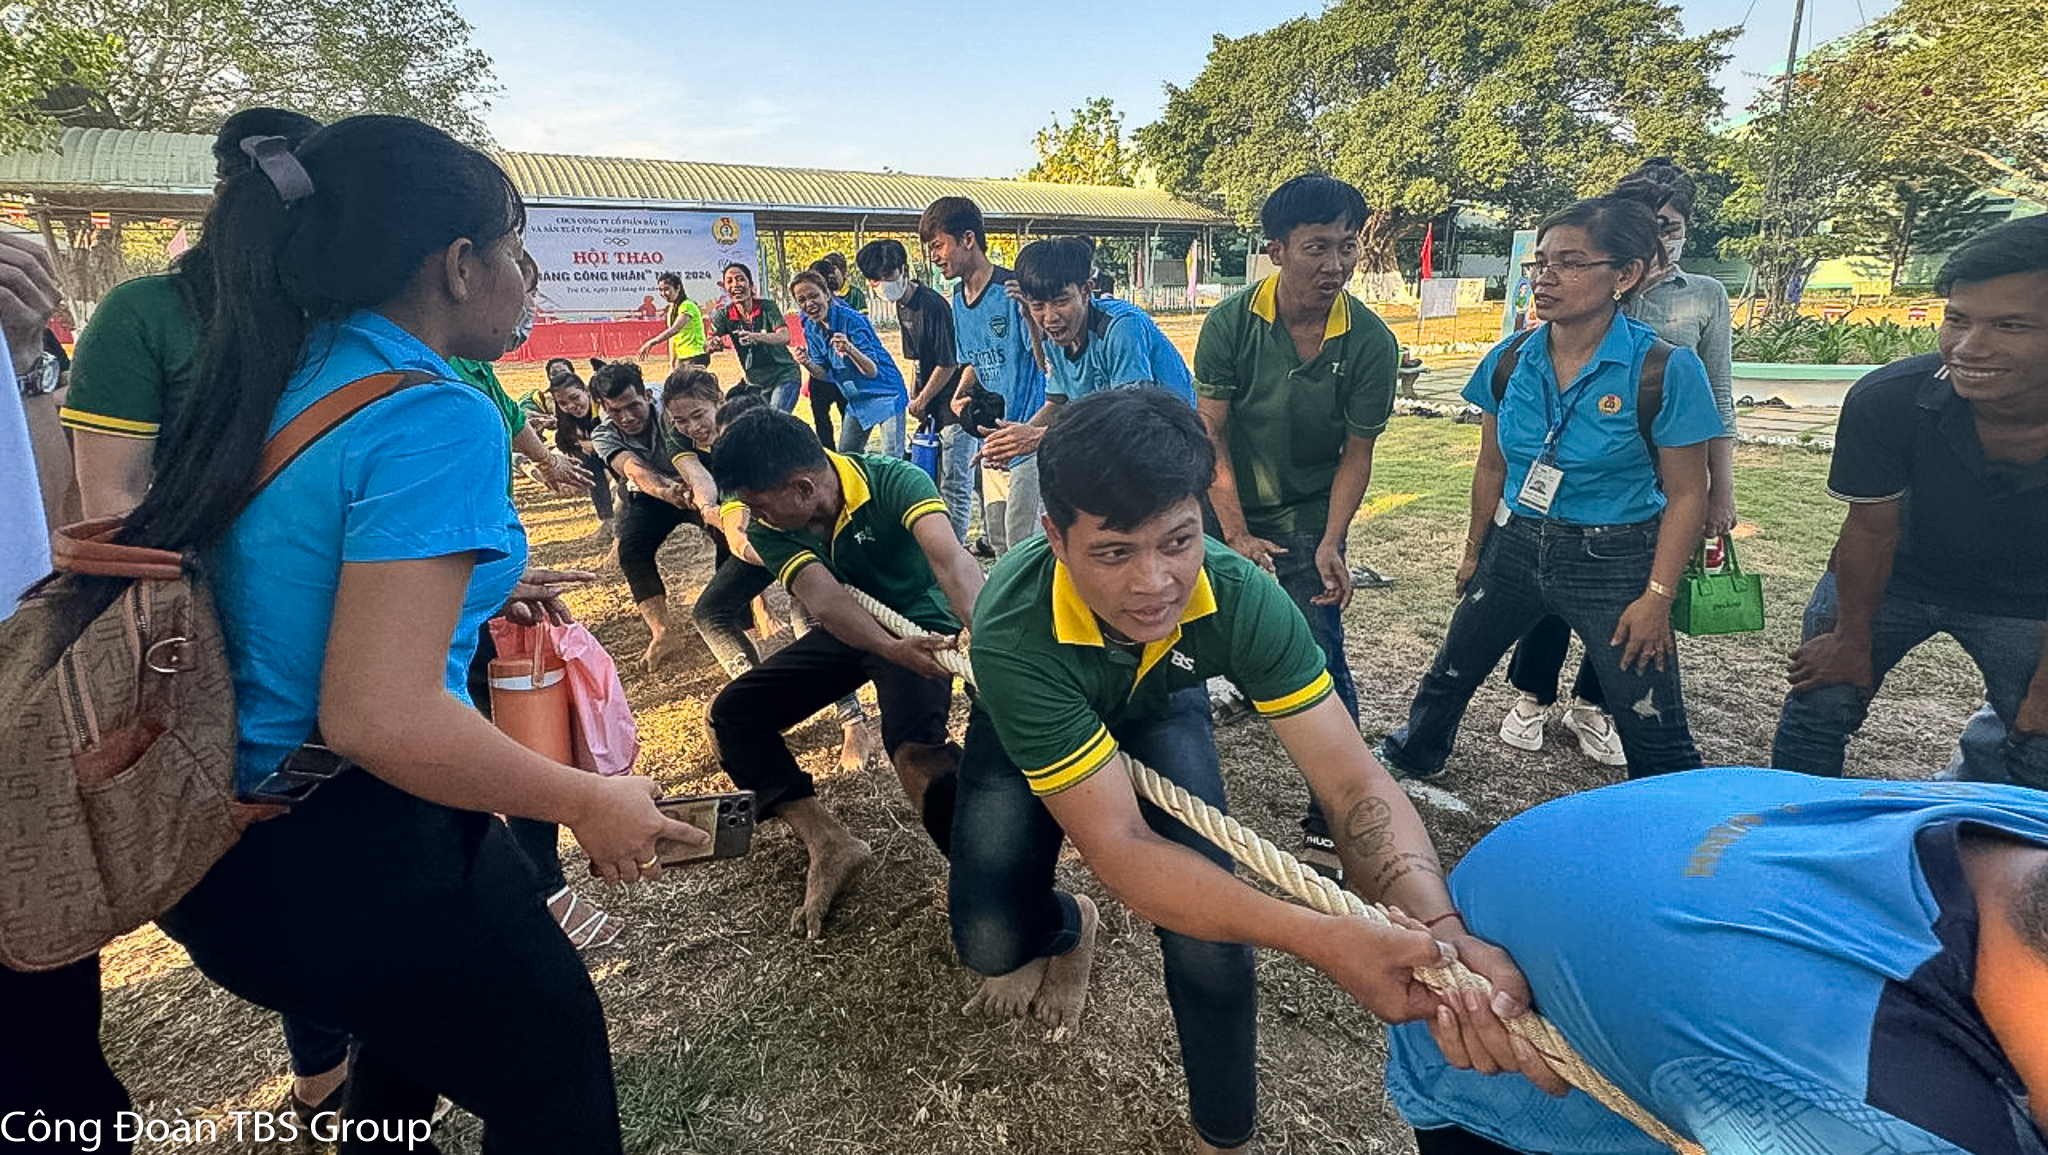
[(1766, 223)]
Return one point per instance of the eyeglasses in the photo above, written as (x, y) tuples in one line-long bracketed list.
[(1565, 270)]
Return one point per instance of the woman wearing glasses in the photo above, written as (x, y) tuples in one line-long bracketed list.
[(1689, 310), (1583, 505)]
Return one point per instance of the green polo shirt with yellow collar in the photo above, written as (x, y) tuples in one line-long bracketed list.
[(1289, 418), (1055, 684), (872, 547)]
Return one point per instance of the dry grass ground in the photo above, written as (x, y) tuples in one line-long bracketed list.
[(732, 1037)]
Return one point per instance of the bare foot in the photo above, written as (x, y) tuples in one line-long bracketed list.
[(315, 1090), (1008, 996), (862, 744), (833, 865), (1064, 993)]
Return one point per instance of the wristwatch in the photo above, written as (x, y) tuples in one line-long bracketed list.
[(42, 376)]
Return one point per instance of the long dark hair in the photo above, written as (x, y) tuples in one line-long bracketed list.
[(389, 193)]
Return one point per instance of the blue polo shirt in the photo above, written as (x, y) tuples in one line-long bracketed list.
[(1766, 961), (991, 335), (423, 473), (871, 400), (1609, 477), (1123, 347)]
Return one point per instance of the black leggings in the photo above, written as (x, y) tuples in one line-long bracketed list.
[(417, 929), (644, 524), (824, 395), (50, 1060)]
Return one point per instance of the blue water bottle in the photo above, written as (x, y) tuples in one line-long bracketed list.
[(924, 449)]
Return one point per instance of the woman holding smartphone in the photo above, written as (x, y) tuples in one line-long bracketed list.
[(387, 902)]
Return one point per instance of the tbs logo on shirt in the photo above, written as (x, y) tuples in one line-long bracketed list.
[(1181, 661)]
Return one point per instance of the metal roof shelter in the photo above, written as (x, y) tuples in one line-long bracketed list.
[(158, 174)]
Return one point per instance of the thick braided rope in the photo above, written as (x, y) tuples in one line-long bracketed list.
[(1288, 873)]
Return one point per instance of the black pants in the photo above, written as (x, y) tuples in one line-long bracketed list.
[(1457, 1140), (50, 1061), (417, 929), (600, 485), (824, 395), (750, 714), (1539, 659), (644, 524)]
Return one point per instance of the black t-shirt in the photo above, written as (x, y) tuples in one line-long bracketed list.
[(571, 432), (1973, 533), (927, 320)]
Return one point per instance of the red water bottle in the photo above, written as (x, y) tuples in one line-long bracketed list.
[(1715, 554)]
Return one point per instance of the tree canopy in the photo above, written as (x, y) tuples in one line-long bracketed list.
[(1518, 105), (184, 65), (1087, 149), (1959, 84)]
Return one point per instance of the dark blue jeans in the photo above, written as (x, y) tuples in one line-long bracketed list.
[(1296, 570), (1815, 725), (1005, 912), (1586, 575)]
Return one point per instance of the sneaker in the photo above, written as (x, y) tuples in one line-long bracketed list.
[(1319, 854), (1227, 704), (1595, 731), (1401, 773), (1364, 577), (1522, 726)]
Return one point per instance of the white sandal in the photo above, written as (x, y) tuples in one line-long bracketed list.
[(597, 930)]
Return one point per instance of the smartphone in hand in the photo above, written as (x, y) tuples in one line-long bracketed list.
[(727, 818)]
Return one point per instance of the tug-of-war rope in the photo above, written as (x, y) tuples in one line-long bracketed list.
[(1289, 874)]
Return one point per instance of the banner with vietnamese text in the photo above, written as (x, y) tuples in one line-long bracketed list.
[(600, 264)]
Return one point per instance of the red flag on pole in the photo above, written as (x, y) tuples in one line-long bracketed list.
[(1428, 244)]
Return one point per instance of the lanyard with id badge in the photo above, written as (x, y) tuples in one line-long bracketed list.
[(1539, 488)]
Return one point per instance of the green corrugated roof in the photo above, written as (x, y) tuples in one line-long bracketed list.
[(118, 164), (545, 176), (115, 161)]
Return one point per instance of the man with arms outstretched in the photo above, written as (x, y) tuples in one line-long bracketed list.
[(823, 522), (1093, 645), (1768, 963)]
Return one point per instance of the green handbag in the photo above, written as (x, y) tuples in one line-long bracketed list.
[(1729, 602)]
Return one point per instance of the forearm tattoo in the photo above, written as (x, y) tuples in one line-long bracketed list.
[(1368, 839)]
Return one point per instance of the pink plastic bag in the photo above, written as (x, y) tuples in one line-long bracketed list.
[(605, 739)]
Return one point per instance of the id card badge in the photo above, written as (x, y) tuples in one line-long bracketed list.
[(1539, 489)]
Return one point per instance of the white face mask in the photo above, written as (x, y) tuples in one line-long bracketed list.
[(524, 328), (1674, 247), (894, 289)]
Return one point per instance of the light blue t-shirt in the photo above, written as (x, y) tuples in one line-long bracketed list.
[(1609, 478), (992, 336), (1766, 961), (1124, 347), (871, 400), (420, 474)]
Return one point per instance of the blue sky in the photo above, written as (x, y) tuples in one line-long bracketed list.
[(939, 88)]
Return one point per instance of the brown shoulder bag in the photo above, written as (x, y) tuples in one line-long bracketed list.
[(117, 741)]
